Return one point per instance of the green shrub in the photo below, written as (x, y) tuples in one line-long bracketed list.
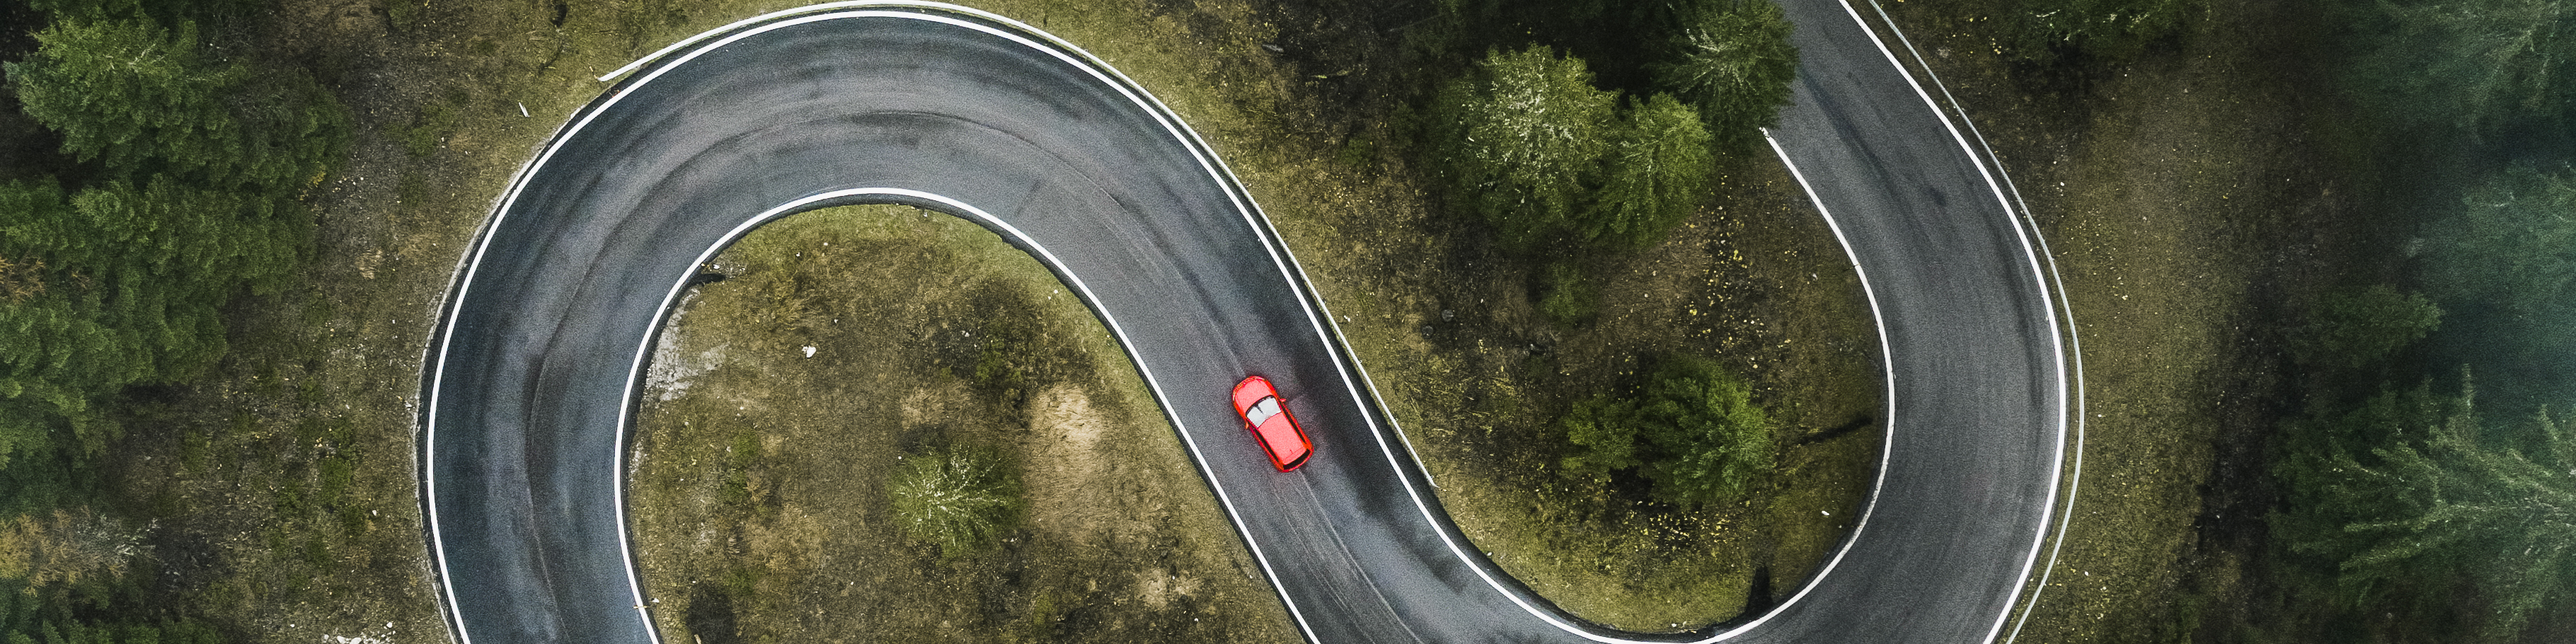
[(960, 500), (429, 129), (1566, 298), (742, 453)]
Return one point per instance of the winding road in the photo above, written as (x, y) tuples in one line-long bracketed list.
[(537, 362)]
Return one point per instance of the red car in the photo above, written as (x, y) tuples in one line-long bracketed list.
[(1271, 424)]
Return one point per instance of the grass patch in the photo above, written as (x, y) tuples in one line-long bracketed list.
[(961, 500), (2194, 196), (885, 484), (429, 129), (1477, 370)]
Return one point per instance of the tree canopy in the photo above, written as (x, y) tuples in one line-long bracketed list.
[(1543, 156), (1733, 63), (195, 200), (2445, 494), (146, 100), (1523, 137), (1657, 173), (1692, 430), (2511, 243), (2473, 65)]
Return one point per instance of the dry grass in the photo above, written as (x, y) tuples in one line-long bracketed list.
[(759, 484)]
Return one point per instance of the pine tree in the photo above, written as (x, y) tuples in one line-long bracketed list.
[(2472, 65), (1523, 139), (1734, 66), (2443, 496), (1604, 433), (1692, 430), (2511, 244), (1711, 442), (1658, 173)]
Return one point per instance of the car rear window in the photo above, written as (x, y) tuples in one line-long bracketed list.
[(1262, 411)]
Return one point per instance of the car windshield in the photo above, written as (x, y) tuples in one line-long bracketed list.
[(1262, 411)]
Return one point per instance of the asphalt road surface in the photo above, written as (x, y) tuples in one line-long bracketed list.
[(536, 365)]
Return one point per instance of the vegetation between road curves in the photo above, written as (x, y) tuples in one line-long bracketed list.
[(261, 211)]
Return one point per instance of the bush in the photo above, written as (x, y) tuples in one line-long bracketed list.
[(1567, 299), (2360, 326), (1522, 139), (1693, 431), (959, 500)]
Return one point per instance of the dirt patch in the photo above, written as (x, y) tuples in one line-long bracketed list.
[(1067, 435)]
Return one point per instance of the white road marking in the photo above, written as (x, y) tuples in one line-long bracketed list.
[(2042, 277), (2074, 339), (1244, 205)]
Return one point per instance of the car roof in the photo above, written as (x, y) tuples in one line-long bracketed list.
[(1281, 436)]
